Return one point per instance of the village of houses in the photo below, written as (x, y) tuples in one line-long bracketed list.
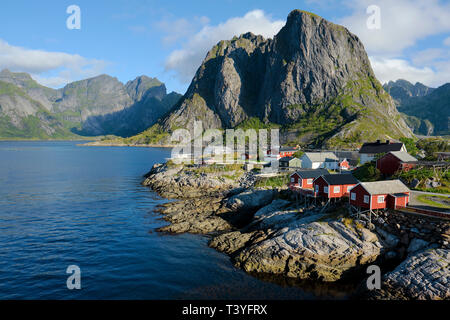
[(325, 177)]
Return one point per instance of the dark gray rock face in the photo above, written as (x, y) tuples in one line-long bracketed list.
[(311, 68)]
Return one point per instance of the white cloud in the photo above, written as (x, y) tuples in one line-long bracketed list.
[(387, 69), (176, 29), (51, 68), (403, 23), (185, 61), (447, 41)]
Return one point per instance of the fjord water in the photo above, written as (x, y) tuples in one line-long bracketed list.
[(62, 204)]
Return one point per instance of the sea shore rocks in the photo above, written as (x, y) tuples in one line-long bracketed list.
[(264, 232)]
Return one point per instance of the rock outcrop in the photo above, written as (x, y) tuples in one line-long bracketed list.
[(422, 276), (311, 72), (314, 250)]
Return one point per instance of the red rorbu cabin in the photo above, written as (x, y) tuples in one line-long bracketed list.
[(395, 161), (380, 195), (334, 185), (344, 165), (304, 178)]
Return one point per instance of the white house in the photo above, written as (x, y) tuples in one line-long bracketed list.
[(369, 150), (315, 160)]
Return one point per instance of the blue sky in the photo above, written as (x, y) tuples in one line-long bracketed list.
[(168, 39)]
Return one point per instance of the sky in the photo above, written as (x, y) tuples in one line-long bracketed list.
[(408, 39)]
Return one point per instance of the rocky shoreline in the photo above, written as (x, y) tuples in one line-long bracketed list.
[(266, 232), (120, 144)]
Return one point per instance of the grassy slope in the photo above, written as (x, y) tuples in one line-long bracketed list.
[(32, 127)]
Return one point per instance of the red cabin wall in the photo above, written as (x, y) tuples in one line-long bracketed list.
[(322, 184), (374, 201), (388, 164), (359, 201)]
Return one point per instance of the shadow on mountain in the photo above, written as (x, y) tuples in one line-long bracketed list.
[(129, 121)]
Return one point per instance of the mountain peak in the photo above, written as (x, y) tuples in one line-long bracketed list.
[(311, 69)]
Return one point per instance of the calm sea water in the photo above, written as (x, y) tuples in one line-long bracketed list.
[(61, 204)]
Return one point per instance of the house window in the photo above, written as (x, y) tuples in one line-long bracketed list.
[(292, 180), (325, 189), (337, 189), (349, 188), (366, 199), (380, 199), (309, 181), (353, 196), (317, 188)]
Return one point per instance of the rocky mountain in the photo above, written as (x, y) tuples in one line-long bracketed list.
[(97, 106), (426, 110), (313, 79), (401, 90)]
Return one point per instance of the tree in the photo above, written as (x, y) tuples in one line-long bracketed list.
[(410, 146)]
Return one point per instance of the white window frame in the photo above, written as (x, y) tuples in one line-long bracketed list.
[(337, 189), (349, 188), (309, 181), (292, 179), (366, 199), (317, 188), (380, 198), (353, 196), (325, 189)]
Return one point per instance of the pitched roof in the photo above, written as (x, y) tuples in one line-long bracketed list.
[(311, 173), (385, 187), (380, 147), (284, 149), (321, 156), (287, 159), (403, 156), (338, 179)]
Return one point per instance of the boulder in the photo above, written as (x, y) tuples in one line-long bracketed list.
[(416, 245), (422, 276), (250, 200), (310, 250)]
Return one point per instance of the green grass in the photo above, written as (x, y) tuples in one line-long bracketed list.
[(426, 199), (367, 172), (273, 182)]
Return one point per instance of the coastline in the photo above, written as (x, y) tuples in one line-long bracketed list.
[(113, 144), (268, 236)]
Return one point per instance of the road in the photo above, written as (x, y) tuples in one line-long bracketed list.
[(414, 202)]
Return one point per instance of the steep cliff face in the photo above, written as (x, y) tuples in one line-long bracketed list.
[(314, 79), (401, 90), (426, 110), (96, 106)]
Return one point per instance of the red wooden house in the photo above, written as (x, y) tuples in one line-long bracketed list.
[(380, 195), (344, 165), (395, 161), (304, 178), (283, 152), (334, 185)]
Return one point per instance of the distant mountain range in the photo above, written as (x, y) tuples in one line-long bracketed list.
[(97, 106), (313, 80), (426, 110)]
